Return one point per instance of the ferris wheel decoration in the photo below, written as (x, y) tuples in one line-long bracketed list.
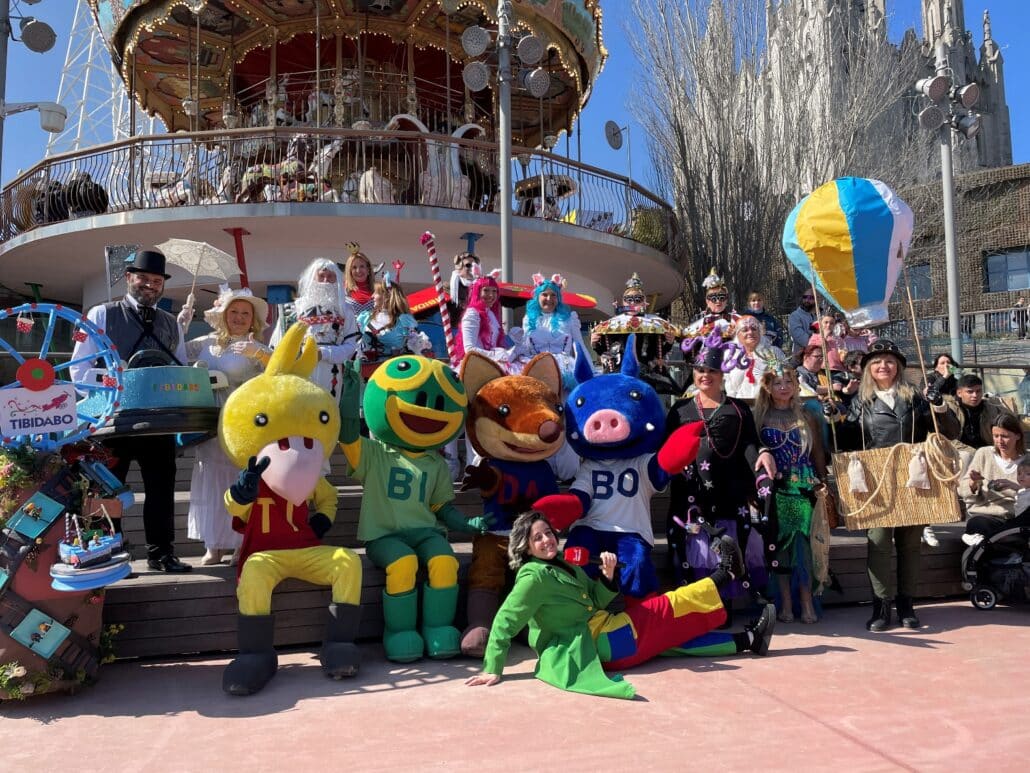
[(39, 408)]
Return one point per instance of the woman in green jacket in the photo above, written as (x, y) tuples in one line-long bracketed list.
[(576, 640)]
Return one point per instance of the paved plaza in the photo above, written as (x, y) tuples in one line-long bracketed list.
[(951, 696)]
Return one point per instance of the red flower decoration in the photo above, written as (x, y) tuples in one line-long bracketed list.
[(35, 374), (79, 335)]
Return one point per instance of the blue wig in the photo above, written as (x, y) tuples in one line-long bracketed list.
[(561, 313)]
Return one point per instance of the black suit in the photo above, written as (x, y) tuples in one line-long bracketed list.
[(155, 454)]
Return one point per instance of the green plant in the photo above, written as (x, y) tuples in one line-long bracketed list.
[(107, 634)]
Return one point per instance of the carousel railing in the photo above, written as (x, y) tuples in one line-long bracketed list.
[(264, 165)]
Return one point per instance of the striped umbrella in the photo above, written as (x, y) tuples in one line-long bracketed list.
[(849, 237)]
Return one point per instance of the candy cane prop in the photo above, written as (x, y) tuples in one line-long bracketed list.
[(429, 242)]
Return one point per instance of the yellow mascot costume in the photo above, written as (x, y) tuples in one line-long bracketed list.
[(280, 427)]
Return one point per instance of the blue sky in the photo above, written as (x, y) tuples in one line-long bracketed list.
[(37, 76)]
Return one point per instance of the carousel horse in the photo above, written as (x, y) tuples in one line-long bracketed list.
[(316, 98), (374, 188), (442, 183)]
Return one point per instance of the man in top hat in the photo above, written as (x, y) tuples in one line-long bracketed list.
[(133, 324)]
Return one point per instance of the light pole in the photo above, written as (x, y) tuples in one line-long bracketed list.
[(504, 141), (948, 114), (39, 37)]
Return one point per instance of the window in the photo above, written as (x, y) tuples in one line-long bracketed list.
[(918, 283), (1008, 270)]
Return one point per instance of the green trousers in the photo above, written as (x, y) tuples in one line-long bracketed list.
[(906, 540)]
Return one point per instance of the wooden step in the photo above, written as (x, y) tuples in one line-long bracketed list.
[(172, 615)]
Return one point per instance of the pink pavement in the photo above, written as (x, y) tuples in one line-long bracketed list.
[(830, 696)]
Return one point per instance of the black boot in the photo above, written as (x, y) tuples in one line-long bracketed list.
[(881, 619), (257, 662), (339, 656), (761, 630), (906, 615), (731, 562)]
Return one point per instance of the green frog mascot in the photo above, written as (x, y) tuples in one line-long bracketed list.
[(413, 406)]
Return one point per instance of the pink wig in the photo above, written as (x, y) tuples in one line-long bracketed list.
[(475, 302)]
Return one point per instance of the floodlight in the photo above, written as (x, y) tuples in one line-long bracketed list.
[(538, 82), (935, 87), (967, 95), (52, 117), (37, 35), (530, 49), (475, 76), (475, 40), (967, 125), (931, 117)]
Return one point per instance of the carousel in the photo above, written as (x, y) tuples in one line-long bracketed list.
[(297, 126)]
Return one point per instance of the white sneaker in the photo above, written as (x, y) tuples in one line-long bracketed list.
[(930, 537), (972, 539)]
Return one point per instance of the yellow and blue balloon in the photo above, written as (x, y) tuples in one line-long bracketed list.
[(850, 237)]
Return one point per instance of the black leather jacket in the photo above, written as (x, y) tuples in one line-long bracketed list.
[(882, 427)]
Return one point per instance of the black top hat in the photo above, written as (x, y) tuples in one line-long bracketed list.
[(884, 346), (148, 261)]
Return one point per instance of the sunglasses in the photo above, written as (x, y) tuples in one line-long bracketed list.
[(718, 297), (808, 297), (756, 328), (633, 299)]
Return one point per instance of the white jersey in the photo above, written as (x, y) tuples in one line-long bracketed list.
[(620, 494)]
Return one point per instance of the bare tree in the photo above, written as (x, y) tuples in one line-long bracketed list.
[(749, 105)]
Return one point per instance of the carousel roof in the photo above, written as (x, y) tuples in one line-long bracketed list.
[(172, 50)]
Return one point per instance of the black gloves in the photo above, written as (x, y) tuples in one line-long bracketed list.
[(319, 523), (933, 394), (245, 489)]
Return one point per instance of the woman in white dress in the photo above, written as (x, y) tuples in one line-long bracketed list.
[(237, 317), (481, 329), (549, 326)]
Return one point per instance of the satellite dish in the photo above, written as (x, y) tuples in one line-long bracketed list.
[(530, 49), (475, 76), (613, 133), (474, 41)]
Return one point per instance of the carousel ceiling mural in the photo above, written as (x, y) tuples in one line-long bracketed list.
[(199, 63)]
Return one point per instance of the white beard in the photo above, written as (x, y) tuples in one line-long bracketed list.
[(323, 295)]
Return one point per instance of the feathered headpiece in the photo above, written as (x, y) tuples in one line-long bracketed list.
[(713, 280), (715, 353)]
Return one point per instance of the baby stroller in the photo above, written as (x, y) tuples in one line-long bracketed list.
[(998, 568)]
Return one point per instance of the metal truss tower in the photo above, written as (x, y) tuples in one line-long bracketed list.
[(91, 90)]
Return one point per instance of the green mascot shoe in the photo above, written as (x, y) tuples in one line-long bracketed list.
[(438, 607), (400, 639)]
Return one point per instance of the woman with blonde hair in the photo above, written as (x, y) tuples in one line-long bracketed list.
[(237, 318), (357, 280), (791, 434), (388, 329), (889, 410)]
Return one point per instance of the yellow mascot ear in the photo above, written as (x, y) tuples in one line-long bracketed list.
[(295, 354)]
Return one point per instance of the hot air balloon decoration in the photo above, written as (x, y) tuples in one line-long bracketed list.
[(849, 237)]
